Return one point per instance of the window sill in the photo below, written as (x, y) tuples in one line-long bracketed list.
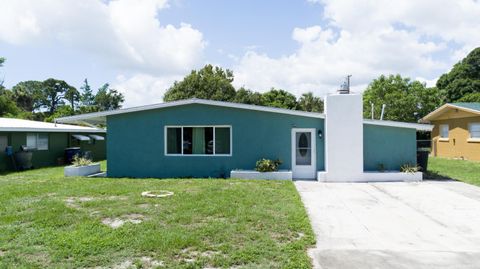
[(473, 140), (198, 155), (443, 139)]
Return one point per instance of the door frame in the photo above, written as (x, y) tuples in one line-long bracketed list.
[(313, 152)]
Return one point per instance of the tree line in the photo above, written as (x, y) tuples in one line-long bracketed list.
[(53, 98), (215, 83), (410, 100), (405, 99)]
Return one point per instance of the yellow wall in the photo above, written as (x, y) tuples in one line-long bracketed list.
[(457, 145)]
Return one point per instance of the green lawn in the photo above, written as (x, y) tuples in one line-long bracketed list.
[(466, 171), (47, 220)]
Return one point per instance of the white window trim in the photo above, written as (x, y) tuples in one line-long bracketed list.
[(36, 141), (440, 132), (470, 138), (198, 126)]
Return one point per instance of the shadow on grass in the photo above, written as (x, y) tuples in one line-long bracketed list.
[(435, 176), (12, 171)]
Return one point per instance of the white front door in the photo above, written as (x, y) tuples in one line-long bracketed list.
[(304, 154)]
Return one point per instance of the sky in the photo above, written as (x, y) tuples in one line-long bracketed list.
[(141, 47)]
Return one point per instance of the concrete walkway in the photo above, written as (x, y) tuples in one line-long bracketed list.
[(432, 224)]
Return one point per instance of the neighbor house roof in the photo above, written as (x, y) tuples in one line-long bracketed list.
[(473, 108), (19, 125), (100, 117), (389, 123)]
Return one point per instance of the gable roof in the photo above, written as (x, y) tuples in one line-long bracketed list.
[(472, 106), (19, 125), (467, 107), (101, 117)]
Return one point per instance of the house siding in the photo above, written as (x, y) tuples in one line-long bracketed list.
[(57, 142), (390, 146), (135, 145), (457, 145)]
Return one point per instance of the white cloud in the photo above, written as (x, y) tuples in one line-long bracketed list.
[(142, 89), (125, 33), (367, 38)]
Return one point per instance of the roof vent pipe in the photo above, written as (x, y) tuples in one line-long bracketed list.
[(372, 110), (383, 111)]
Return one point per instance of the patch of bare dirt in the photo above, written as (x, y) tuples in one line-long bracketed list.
[(37, 256), (189, 255), (74, 202), (300, 236), (115, 223), (137, 263), (144, 206), (117, 198)]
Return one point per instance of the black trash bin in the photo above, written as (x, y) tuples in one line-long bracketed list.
[(422, 159), (23, 159), (70, 153)]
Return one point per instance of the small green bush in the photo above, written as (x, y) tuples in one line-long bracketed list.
[(409, 168), (266, 165), (80, 161)]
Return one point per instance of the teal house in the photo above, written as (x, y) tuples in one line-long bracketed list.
[(203, 138), (47, 141)]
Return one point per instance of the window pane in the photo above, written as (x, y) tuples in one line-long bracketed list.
[(32, 141), (475, 130), (209, 140), (187, 140), (42, 142), (303, 150), (222, 140), (202, 140), (3, 143), (475, 127), (444, 131), (174, 140)]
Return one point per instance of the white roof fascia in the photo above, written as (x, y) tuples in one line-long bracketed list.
[(50, 130), (417, 126), (21, 125), (83, 117)]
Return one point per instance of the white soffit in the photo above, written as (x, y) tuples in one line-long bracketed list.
[(97, 137), (81, 137)]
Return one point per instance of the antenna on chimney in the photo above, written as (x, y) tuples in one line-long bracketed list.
[(345, 87)]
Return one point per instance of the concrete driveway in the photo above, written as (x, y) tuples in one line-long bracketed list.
[(432, 224)]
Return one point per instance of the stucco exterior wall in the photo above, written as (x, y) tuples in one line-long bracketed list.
[(135, 146), (390, 146), (457, 145), (57, 142), (344, 137)]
